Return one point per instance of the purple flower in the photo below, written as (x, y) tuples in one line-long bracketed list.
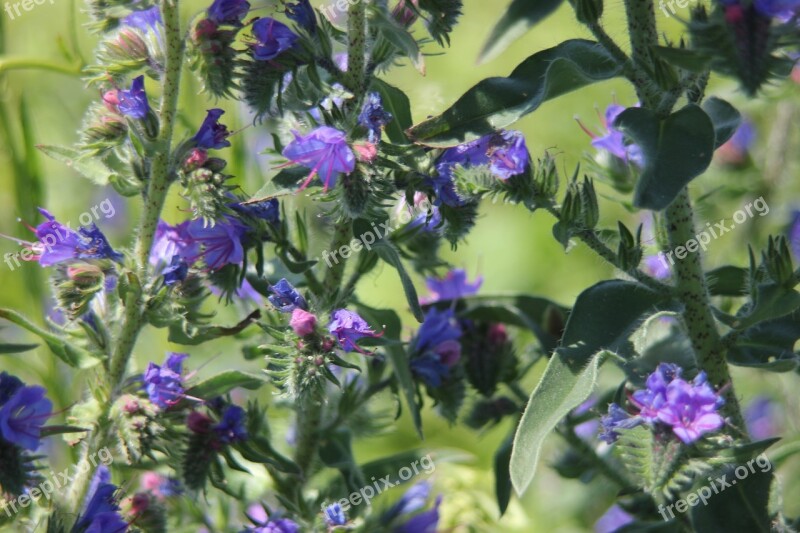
[(762, 418), (171, 241), (783, 10), (426, 522), (133, 102), (164, 384), (613, 520), (303, 14), (231, 428), (221, 243), (60, 244), (617, 418), (228, 12), (453, 286), (285, 297), (244, 292), (651, 399), (794, 234), (657, 267), (8, 386), (325, 152), (278, 525), (373, 117), (176, 272), (736, 150), (348, 328), (691, 409), (212, 135), (145, 20), (23, 415), (613, 141), (412, 501), (100, 513), (334, 515), (436, 347), (272, 39)]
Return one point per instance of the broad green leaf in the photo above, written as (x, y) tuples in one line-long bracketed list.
[(684, 58), (520, 17), (606, 314), (392, 31), (771, 301), (566, 383), (724, 116), (495, 103), (397, 356), (541, 316), (225, 382), (768, 345), (74, 356), (742, 506), (502, 474), (397, 103), (7, 348), (388, 253), (89, 167), (676, 150)]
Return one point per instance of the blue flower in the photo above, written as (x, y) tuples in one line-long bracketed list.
[(145, 20), (657, 267), (60, 244), (412, 501), (373, 117), (212, 135), (171, 241), (613, 141), (348, 327), (133, 103), (221, 243), (302, 13), (613, 520), (451, 287), (164, 384), (176, 272), (272, 39), (23, 415), (426, 522), (504, 152), (736, 150), (230, 12), (286, 298), (617, 418), (231, 428), (325, 152), (436, 347), (278, 525), (8, 386), (762, 417), (334, 515), (268, 210), (100, 513)]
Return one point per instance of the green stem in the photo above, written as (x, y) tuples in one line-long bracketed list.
[(356, 48), (642, 29), (22, 63), (154, 199), (693, 292), (309, 419)]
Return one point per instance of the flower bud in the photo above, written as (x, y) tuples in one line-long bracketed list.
[(303, 322)]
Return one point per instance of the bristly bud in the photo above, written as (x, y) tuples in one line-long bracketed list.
[(629, 252), (76, 286), (778, 261), (17, 470), (489, 357), (135, 422), (589, 206), (587, 11), (103, 130), (355, 193), (149, 514), (213, 57), (546, 179), (205, 188), (490, 412), (200, 453)]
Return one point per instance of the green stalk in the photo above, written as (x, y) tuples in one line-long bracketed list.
[(154, 198)]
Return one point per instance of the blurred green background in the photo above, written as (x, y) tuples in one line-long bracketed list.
[(512, 249)]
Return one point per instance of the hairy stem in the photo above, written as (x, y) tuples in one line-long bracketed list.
[(642, 30), (154, 198)]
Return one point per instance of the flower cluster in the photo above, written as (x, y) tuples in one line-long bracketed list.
[(688, 408)]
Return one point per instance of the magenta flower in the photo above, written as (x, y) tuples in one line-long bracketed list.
[(348, 328), (23, 415), (453, 286), (302, 322), (325, 151)]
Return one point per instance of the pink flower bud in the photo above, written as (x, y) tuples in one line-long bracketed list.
[(198, 422), (366, 152), (111, 99), (197, 158), (497, 334), (302, 322)]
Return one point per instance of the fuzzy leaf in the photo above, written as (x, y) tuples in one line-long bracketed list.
[(225, 382), (7, 348), (743, 506), (397, 103), (520, 17), (88, 167), (724, 116)]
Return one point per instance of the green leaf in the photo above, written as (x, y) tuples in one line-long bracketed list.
[(7, 348), (724, 116), (768, 345), (676, 150), (397, 356), (397, 103), (565, 384), (743, 506), (728, 281), (388, 253), (502, 474), (689, 60), (49, 431), (260, 450), (89, 167), (771, 301), (392, 31), (592, 326), (495, 103), (520, 17), (74, 356), (225, 382)]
